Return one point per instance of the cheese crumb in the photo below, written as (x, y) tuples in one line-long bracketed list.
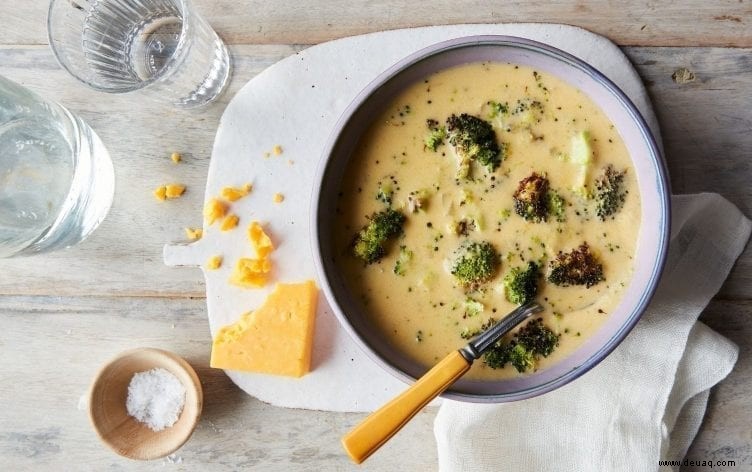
[(214, 210), (214, 262), (277, 150), (160, 193), (156, 398), (234, 193), (176, 157), (230, 222), (251, 272), (278, 198), (174, 190), (194, 233), (261, 241)]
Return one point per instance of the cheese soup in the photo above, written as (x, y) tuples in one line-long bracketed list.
[(549, 185)]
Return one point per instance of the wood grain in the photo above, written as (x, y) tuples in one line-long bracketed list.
[(706, 129), (705, 124), (635, 23), (57, 346), (124, 255), (65, 314)]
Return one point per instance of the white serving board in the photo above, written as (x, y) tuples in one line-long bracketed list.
[(295, 103)]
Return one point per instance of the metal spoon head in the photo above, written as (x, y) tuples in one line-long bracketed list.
[(480, 343)]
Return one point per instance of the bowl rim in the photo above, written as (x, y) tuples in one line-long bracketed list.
[(654, 152)]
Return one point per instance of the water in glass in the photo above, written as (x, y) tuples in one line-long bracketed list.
[(56, 178), (160, 46)]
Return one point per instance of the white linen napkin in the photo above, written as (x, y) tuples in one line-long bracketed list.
[(642, 404)]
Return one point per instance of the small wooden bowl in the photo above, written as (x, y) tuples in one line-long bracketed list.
[(123, 433)]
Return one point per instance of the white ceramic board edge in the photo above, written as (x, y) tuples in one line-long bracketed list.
[(295, 104)]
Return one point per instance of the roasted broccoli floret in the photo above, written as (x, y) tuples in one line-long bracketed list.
[(368, 244), (497, 356), (521, 357), (521, 283), (609, 192), (577, 267), (404, 258), (536, 337), (531, 198), (534, 201), (474, 263), (516, 354), (532, 341), (436, 135), (473, 139)]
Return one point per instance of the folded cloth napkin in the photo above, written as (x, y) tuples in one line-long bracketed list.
[(642, 404)]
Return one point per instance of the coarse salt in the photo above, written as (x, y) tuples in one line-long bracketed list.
[(156, 398)]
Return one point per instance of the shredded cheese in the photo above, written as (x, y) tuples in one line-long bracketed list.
[(234, 193), (261, 241), (160, 193), (251, 272), (214, 262), (194, 233), (214, 210), (230, 222), (174, 190)]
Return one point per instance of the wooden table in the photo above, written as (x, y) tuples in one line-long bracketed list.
[(62, 315)]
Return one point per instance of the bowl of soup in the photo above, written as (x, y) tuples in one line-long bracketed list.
[(475, 175)]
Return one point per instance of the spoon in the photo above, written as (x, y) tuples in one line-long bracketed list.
[(367, 437)]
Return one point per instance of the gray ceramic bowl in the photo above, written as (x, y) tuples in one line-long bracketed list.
[(651, 177)]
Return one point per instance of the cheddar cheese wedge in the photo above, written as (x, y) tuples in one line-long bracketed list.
[(277, 338)]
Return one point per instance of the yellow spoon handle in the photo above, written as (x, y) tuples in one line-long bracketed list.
[(384, 423)]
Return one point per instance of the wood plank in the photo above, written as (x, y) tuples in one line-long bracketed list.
[(706, 129), (705, 124), (53, 347), (725, 435), (124, 255), (638, 23)]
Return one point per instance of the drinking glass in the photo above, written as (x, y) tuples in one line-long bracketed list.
[(56, 177), (162, 47)]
